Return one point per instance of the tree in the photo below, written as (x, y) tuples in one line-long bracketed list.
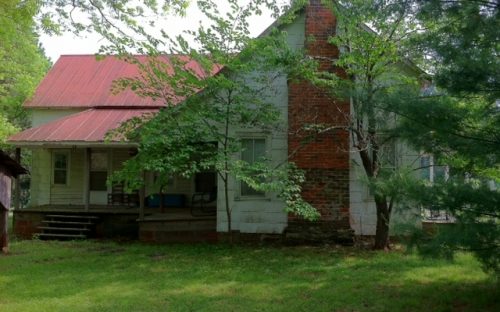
[(22, 65), (462, 134), (460, 44), (113, 19), (227, 85), (457, 42), (459, 124)]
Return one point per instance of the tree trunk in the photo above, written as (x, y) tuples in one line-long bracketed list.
[(228, 210), (383, 218)]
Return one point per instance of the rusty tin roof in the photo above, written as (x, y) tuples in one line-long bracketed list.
[(80, 81), (88, 126)]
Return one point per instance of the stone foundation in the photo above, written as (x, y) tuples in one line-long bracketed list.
[(321, 232), (178, 231)]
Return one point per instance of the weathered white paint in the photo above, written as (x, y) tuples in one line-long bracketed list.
[(41, 164), (267, 214), (71, 192), (98, 197), (41, 116), (44, 191)]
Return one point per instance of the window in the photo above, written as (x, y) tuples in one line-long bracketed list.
[(253, 151), (98, 170), (432, 172), (60, 166), (387, 155)]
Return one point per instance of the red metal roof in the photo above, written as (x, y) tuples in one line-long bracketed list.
[(87, 126), (84, 81)]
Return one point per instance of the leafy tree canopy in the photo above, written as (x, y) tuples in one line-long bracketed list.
[(460, 41), (457, 121), (22, 62)]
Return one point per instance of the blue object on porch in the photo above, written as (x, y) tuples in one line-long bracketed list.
[(169, 200)]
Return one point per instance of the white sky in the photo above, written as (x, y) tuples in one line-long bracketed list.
[(68, 43)]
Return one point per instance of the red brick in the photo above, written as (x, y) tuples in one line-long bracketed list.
[(324, 157)]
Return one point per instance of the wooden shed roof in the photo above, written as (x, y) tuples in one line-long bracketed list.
[(9, 166)]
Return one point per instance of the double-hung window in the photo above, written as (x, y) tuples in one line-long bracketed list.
[(98, 170), (433, 173), (60, 168), (253, 150)]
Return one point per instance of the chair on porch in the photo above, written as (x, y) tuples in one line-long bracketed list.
[(118, 197), (206, 202)]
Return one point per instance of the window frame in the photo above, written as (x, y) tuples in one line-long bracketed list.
[(263, 195), (67, 154), (108, 161), (389, 155), (431, 168), (431, 214)]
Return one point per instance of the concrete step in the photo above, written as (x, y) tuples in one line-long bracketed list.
[(72, 217), (67, 222), (70, 226), (63, 229)]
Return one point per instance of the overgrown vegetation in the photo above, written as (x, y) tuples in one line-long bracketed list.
[(450, 113), (95, 276), (459, 124), (22, 63)]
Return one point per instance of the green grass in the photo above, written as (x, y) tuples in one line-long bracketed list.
[(97, 276)]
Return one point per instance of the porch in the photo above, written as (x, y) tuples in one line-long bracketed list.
[(123, 222)]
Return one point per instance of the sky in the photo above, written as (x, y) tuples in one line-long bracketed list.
[(68, 43)]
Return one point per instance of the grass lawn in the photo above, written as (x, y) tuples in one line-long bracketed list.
[(105, 276)]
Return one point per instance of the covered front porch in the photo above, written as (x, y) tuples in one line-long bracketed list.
[(71, 165), (73, 182)]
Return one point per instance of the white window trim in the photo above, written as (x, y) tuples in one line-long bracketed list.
[(109, 162), (394, 157), (68, 166), (432, 166), (267, 143), (428, 214)]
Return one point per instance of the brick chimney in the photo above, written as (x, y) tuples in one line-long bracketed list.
[(324, 157)]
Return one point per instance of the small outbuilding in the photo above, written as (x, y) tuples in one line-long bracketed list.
[(9, 169)]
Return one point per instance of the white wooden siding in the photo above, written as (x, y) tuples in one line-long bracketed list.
[(363, 216), (264, 215), (41, 163), (71, 193), (42, 116)]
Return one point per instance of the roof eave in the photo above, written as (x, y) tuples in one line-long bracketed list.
[(72, 144)]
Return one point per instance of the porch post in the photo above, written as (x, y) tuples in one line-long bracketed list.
[(86, 179), (17, 190), (142, 195)]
